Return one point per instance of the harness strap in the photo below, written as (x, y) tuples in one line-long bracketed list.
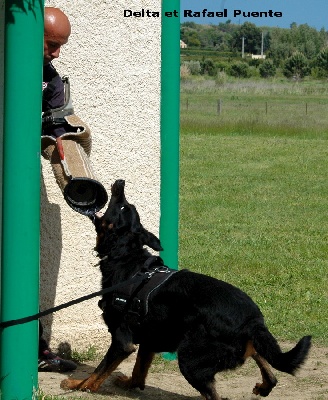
[(132, 300), (160, 276)]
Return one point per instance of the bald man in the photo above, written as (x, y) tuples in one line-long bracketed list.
[(57, 30)]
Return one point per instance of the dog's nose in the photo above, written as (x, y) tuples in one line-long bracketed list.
[(118, 188)]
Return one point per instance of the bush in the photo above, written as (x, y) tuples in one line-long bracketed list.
[(208, 67), (184, 72), (194, 67), (222, 66), (239, 70), (221, 78), (267, 69)]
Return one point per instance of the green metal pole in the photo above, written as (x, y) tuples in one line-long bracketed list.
[(170, 125), (23, 55)]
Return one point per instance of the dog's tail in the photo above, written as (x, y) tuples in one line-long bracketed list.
[(266, 345)]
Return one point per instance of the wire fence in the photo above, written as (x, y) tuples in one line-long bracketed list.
[(289, 112), (224, 106)]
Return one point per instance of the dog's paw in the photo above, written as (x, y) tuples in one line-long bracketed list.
[(123, 382), (262, 390), (70, 384), (73, 384), (126, 382)]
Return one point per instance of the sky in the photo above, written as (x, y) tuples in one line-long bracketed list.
[(311, 12)]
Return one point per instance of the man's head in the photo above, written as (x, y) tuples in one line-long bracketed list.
[(57, 29)]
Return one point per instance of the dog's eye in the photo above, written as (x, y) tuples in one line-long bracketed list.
[(122, 208)]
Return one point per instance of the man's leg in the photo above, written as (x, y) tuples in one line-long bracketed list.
[(49, 361)]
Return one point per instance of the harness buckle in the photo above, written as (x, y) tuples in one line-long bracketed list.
[(161, 269)]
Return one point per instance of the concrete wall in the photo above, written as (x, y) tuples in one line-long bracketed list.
[(114, 67)]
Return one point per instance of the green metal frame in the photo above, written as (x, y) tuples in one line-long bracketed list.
[(170, 126), (22, 92)]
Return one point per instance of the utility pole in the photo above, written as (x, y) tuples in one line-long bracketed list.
[(243, 47)]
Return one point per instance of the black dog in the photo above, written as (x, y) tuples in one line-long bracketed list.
[(212, 325)]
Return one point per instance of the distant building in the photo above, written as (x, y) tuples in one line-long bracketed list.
[(183, 45), (257, 56)]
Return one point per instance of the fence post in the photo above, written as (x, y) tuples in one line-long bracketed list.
[(219, 108)]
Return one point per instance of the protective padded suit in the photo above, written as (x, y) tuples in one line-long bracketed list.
[(68, 153)]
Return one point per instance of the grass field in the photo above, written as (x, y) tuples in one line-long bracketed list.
[(254, 198)]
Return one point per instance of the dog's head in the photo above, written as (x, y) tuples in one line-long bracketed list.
[(121, 222)]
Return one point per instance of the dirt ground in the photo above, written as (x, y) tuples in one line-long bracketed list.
[(165, 382)]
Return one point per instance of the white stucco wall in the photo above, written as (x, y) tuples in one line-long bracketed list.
[(114, 67)]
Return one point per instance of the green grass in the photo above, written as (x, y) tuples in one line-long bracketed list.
[(91, 354), (253, 212)]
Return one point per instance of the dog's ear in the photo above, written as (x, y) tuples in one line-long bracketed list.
[(150, 240)]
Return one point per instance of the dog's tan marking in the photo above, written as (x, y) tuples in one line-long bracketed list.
[(250, 350), (93, 383)]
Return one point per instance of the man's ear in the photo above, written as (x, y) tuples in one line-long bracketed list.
[(150, 240)]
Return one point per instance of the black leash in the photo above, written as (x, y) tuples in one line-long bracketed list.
[(24, 320)]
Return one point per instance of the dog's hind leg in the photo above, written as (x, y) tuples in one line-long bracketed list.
[(200, 358), (113, 358), (269, 380), (140, 371)]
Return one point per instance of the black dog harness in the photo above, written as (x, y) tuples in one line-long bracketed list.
[(132, 299)]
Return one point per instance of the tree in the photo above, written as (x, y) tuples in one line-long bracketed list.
[(189, 34), (267, 69), (322, 61), (252, 35), (296, 66)]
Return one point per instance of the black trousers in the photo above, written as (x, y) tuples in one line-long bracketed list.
[(43, 345)]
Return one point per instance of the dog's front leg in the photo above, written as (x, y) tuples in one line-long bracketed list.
[(140, 371), (115, 355)]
